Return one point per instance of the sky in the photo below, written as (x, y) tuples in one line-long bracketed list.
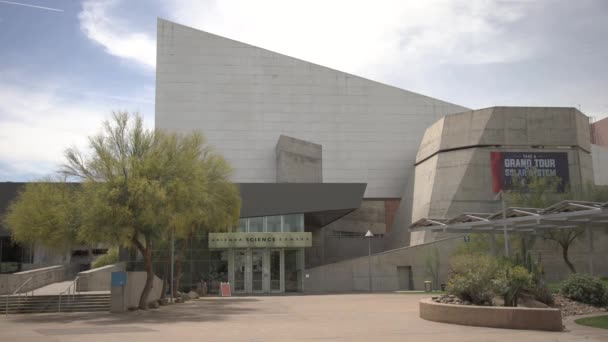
[(65, 65)]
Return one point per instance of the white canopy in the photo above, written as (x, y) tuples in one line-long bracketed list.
[(565, 214)]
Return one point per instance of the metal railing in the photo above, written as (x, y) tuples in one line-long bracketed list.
[(69, 293), (16, 292)]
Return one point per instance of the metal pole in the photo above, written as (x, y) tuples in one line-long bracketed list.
[(369, 261), (172, 261), (590, 244), (504, 226)]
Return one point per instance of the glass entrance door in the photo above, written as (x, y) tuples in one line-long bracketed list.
[(240, 267), (257, 270), (275, 270), (265, 270)]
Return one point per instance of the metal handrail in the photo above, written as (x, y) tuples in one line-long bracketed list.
[(72, 289), (16, 292)]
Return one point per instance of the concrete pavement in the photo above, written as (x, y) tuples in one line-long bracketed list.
[(352, 317)]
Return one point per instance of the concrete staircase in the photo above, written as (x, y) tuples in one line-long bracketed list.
[(83, 302)]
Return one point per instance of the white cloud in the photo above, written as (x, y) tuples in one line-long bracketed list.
[(356, 36), (38, 122), (373, 38), (102, 27)]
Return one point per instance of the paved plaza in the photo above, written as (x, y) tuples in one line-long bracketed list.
[(353, 317)]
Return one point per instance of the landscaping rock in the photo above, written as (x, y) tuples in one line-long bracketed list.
[(193, 295), (153, 305), (446, 299), (178, 300), (163, 301), (570, 307)]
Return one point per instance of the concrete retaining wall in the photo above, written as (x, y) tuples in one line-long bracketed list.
[(492, 316), (353, 275), (40, 277), (98, 279), (123, 298)]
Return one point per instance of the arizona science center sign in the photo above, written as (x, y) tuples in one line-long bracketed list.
[(260, 240), (520, 165)]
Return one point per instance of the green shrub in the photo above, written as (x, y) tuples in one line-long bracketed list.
[(111, 257), (586, 289), (511, 282), (471, 278)]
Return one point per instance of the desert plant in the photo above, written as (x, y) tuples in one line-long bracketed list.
[(471, 278), (511, 282), (586, 289), (540, 289)]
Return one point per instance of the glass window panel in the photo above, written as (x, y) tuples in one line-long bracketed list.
[(273, 224), (293, 272), (293, 223), (256, 224), (242, 228)]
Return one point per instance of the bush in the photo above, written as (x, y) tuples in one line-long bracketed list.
[(471, 278), (586, 289), (511, 282), (111, 257)]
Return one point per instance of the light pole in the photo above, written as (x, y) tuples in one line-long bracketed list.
[(172, 261), (369, 236), (504, 217)]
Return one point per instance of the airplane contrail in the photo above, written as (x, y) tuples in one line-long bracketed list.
[(28, 5)]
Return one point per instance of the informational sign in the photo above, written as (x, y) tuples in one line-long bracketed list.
[(507, 166), (119, 279), (260, 240), (225, 289)]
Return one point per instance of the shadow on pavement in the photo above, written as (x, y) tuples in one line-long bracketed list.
[(201, 310)]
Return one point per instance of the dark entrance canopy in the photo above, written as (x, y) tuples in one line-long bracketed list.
[(321, 203)]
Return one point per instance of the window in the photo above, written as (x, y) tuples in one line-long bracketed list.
[(256, 224), (273, 224), (293, 223), (242, 228)]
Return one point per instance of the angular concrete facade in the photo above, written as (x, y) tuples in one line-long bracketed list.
[(453, 172), (243, 98), (299, 161)]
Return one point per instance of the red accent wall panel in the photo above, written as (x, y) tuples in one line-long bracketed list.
[(390, 210), (496, 171)]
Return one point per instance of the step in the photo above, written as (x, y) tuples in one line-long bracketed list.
[(12, 312), (50, 303)]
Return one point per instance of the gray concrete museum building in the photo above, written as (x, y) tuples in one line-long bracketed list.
[(321, 157)]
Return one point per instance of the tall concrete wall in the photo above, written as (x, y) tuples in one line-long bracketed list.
[(243, 98), (599, 155), (353, 275), (580, 254), (599, 132)]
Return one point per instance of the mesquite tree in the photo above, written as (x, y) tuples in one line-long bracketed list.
[(135, 185)]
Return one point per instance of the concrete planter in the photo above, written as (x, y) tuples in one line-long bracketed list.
[(492, 316)]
